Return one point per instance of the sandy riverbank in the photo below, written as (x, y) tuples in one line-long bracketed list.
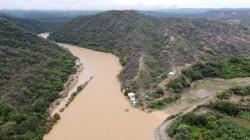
[(98, 112)]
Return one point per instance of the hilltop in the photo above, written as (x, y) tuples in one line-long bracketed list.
[(37, 21)]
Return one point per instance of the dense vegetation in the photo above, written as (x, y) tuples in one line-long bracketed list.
[(150, 47), (33, 72), (226, 69), (209, 126), (227, 121)]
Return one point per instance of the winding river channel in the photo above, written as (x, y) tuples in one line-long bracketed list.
[(100, 111)]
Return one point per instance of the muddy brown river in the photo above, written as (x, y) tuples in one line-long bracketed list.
[(98, 112)]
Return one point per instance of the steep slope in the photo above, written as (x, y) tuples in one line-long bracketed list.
[(151, 47), (32, 74)]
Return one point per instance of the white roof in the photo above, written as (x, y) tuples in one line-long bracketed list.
[(133, 99), (172, 73), (131, 94)]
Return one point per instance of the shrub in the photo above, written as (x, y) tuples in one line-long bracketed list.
[(56, 118), (226, 107), (224, 95), (193, 74), (177, 85), (183, 133), (172, 130), (242, 91), (193, 119)]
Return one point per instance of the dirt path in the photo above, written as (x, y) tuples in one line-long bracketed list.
[(141, 67), (98, 112)]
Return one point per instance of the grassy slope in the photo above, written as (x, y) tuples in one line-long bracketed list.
[(32, 74)]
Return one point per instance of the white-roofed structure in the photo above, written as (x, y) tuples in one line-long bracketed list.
[(131, 94), (132, 98), (172, 73)]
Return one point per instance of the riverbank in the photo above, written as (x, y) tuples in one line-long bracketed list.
[(69, 87)]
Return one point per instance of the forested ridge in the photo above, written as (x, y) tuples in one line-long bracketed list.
[(37, 25), (33, 72)]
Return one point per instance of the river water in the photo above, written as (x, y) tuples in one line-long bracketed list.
[(99, 111)]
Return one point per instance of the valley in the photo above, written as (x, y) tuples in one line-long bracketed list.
[(100, 109), (124, 75)]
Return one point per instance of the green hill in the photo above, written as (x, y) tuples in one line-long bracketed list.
[(151, 47), (32, 74)]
